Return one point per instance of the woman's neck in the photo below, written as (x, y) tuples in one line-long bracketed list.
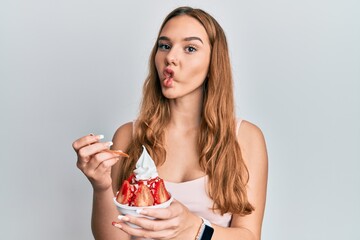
[(186, 112)]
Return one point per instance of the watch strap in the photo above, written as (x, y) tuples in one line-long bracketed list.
[(206, 231)]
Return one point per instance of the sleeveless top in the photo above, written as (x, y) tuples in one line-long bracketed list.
[(194, 196)]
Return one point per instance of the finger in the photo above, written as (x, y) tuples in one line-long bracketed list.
[(95, 170), (89, 160), (94, 148), (86, 140), (155, 225), (106, 165), (142, 232), (97, 159), (163, 213)]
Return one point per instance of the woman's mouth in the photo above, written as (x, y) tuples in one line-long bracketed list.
[(169, 77)]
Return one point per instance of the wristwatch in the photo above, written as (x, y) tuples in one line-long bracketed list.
[(206, 230)]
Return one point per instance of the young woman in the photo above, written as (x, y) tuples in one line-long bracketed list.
[(214, 164)]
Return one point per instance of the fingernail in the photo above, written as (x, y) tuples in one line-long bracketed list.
[(143, 211), (100, 136), (123, 218), (115, 224)]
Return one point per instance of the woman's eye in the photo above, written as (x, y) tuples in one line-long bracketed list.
[(163, 46), (190, 49)]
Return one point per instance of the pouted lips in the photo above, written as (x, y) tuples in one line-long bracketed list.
[(169, 74)]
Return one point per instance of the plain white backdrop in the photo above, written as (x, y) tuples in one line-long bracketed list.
[(68, 68)]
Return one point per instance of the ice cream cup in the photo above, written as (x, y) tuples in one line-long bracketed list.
[(134, 211)]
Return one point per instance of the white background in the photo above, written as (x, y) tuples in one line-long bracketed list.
[(68, 68)]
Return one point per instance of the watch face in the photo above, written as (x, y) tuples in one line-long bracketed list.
[(207, 233)]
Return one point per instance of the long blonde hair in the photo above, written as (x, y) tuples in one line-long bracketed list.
[(219, 152)]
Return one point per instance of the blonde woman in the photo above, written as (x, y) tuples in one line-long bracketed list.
[(214, 164)]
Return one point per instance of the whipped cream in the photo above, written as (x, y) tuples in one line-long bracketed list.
[(145, 167)]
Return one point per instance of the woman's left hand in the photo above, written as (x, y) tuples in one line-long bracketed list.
[(174, 222)]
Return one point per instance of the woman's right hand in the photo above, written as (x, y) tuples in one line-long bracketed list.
[(94, 162)]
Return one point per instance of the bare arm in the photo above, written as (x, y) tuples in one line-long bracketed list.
[(254, 153), (102, 168), (104, 210), (104, 213)]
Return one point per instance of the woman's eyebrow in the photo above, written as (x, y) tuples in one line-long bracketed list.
[(193, 38), (163, 38), (187, 39)]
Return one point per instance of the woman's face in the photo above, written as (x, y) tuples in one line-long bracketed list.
[(183, 56)]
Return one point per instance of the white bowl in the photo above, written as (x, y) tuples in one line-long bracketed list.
[(134, 211)]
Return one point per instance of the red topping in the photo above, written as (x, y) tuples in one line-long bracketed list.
[(160, 193), (143, 196), (142, 193), (125, 194)]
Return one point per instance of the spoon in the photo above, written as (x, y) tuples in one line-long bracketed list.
[(118, 152)]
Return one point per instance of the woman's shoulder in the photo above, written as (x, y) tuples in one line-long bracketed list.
[(249, 132), (125, 127), (251, 140), (123, 136)]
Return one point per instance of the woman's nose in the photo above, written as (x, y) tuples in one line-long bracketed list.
[(171, 58)]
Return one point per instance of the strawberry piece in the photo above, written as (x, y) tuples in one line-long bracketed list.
[(124, 195), (143, 196), (160, 193)]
